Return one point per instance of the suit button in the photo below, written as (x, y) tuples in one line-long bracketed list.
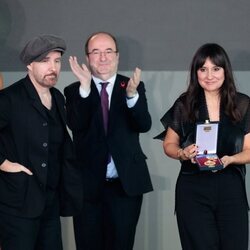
[(44, 165), (45, 124), (45, 144)]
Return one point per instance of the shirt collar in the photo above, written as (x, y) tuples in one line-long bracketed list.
[(111, 80)]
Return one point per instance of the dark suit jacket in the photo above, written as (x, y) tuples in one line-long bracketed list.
[(122, 140), (23, 130)]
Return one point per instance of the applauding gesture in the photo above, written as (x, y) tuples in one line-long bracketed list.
[(81, 72), (133, 83)]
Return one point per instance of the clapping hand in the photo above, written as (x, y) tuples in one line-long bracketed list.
[(81, 72), (133, 83)]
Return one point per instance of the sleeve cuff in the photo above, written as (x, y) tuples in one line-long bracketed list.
[(84, 93), (131, 101)]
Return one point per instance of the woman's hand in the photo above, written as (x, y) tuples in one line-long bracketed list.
[(172, 148), (227, 160), (190, 152)]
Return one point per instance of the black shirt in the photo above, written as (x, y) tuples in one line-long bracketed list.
[(55, 143)]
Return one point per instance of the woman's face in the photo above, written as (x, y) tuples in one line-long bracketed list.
[(210, 76)]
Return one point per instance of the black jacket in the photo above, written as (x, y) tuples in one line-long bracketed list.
[(23, 132), (122, 139)]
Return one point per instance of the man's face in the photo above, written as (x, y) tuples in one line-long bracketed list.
[(102, 58), (46, 72)]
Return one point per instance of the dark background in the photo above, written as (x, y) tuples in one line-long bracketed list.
[(157, 35)]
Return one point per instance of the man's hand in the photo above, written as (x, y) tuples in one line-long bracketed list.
[(81, 72), (133, 83), (13, 167)]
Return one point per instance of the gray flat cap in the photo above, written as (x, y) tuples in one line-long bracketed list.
[(38, 47)]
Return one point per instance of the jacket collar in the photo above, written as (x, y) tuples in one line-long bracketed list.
[(36, 102)]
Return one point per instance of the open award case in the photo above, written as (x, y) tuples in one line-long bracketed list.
[(206, 140)]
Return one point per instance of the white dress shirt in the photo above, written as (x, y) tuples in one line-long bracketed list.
[(111, 169)]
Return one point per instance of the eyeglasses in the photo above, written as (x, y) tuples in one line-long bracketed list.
[(97, 53)]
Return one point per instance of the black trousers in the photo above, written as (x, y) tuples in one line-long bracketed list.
[(212, 211), (109, 224), (40, 233)]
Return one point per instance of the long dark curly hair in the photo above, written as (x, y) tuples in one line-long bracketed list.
[(227, 91)]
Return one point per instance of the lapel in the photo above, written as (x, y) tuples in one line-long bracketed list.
[(94, 91), (59, 104), (96, 101), (118, 98), (34, 97), (36, 102), (116, 94)]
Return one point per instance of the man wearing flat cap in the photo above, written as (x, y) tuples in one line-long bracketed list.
[(39, 180)]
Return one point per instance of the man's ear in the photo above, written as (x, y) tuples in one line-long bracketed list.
[(87, 59), (29, 67)]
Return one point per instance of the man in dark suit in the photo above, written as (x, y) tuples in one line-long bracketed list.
[(115, 174), (39, 179)]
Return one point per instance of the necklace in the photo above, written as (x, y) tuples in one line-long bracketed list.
[(213, 108)]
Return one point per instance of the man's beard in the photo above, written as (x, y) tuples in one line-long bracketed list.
[(50, 79)]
